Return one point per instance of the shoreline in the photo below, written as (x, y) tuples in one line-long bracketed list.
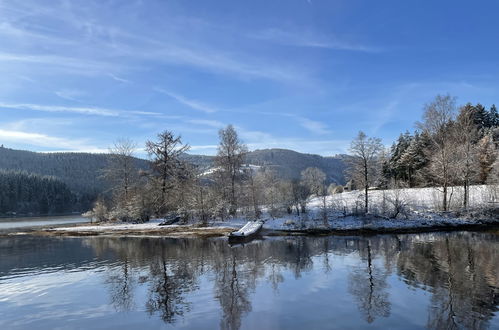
[(198, 231)]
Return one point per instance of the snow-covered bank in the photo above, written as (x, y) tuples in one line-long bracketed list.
[(419, 213)]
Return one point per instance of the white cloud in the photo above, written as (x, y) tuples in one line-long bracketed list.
[(119, 79), (70, 94), (193, 104), (313, 126), (43, 140), (302, 38), (95, 111)]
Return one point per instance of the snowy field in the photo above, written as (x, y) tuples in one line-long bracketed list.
[(419, 209)]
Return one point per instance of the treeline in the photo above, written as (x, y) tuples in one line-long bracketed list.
[(452, 146), (174, 187), (31, 194)]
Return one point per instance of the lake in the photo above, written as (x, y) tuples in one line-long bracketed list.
[(410, 281), (14, 223)]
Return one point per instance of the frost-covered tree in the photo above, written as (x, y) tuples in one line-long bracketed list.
[(230, 158), (122, 171), (465, 134), (167, 166), (300, 194), (437, 122), (364, 164), (487, 154), (315, 180)]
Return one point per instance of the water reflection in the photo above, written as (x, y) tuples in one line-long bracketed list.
[(457, 271)]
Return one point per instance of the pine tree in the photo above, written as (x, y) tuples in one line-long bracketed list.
[(493, 116)]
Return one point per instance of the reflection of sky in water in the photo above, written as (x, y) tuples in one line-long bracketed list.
[(356, 280)]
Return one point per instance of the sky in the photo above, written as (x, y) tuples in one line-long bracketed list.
[(296, 74)]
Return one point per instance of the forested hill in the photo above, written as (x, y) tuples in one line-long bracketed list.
[(33, 194), (288, 163), (81, 172)]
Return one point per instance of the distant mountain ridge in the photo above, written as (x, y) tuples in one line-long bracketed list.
[(82, 172)]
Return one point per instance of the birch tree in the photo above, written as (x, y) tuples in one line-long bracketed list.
[(465, 135), (438, 117), (364, 164)]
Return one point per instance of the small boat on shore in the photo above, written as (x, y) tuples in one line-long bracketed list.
[(249, 230)]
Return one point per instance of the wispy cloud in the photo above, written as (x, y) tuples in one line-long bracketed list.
[(300, 38), (313, 126), (193, 104), (71, 94), (80, 110), (119, 79), (206, 122)]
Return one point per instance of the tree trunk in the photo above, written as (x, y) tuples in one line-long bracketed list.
[(366, 187), (445, 197)]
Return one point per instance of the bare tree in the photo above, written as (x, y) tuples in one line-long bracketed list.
[(299, 193), (315, 179), (166, 164), (465, 135), (121, 171), (230, 158), (254, 190), (364, 164), (438, 117)]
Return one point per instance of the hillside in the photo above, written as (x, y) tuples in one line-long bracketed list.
[(288, 163), (82, 171)]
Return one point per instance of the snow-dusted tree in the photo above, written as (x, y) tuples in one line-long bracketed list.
[(487, 155), (269, 181), (415, 159), (253, 189), (121, 171), (300, 194), (465, 134), (315, 179), (364, 166), (99, 211), (230, 158), (438, 118), (493, 182), (167, 167)]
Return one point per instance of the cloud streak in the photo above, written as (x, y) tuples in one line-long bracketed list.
[(79, 110), (310, 40), (43, 140), (193, 104)]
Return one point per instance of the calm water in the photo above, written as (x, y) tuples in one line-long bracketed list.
[(438, 280), (14, 223)]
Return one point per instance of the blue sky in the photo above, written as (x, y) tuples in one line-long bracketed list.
[(297, 74)]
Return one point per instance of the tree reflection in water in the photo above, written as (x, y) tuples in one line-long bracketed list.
[(459, 270), (368, 285)]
